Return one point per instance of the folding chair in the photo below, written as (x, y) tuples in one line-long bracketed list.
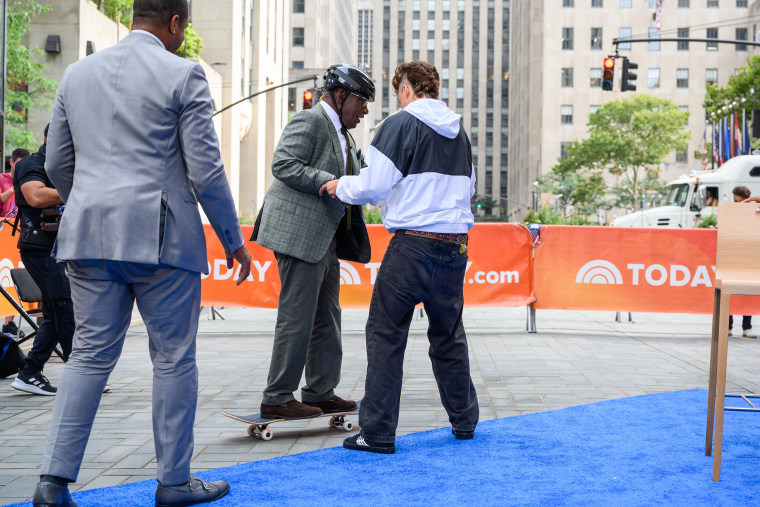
[(28, 292), (737, 272)]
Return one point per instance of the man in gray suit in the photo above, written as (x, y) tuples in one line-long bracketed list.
[(138, 119), (308, 235)]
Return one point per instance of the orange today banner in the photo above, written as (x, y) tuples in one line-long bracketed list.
[(498, 272), (629, 269)]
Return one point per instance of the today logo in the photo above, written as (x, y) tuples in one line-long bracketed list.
[(600, 271)]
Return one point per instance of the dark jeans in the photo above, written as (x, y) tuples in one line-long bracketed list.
[(57, 310), (746, 322), (417, 270)]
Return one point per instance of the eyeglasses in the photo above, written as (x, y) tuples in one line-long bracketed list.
[(363, 99)]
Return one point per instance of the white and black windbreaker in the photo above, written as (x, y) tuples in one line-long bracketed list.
[(420, 169)]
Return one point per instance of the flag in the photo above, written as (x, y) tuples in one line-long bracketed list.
[(737, 136), (659, 13), (715, 144), (746, 133), (726, 140)]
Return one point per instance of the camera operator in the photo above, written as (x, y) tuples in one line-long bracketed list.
[(39, 209)]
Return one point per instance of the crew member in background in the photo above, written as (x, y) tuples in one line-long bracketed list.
[(7, 203), (742, 193), (35, 193), (420, 168)]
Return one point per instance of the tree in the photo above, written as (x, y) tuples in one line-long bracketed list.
[(118, 10), (742, 90), (193, 44), (629, 138), (26, 85)]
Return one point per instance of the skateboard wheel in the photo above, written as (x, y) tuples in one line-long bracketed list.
[(252, 431), (348, 426), (332, 422), (266, 435)]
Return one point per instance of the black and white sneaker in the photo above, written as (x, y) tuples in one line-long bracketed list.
[(35, 383), (359, 443)]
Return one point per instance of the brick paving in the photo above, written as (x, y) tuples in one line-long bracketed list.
[(575, 358)]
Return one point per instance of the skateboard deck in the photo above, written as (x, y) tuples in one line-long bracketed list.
[(258, 427)]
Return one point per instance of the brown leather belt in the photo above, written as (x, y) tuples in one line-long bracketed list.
[(459, 239)]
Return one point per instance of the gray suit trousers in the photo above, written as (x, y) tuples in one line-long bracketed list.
[(307, 333), (103, 292)]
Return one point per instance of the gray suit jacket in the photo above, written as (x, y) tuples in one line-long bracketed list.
[(131, 151), (294, 219)]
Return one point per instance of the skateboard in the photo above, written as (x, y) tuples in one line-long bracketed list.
[(258, 426)]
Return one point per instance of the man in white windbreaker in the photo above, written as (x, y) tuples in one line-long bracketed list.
[(420, 168)]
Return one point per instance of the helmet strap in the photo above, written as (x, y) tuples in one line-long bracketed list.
[(339, 106)]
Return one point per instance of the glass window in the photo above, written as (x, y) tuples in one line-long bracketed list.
[(682, 156), (431, 44), (596, 77), (460, 73), (445, 73), (298, 5), (563, 149), (741, 34), (596, 38), (566, 115), (624, 33), (460, 92), (431, 24), (567, 38), (711, 76), (593, 108), (416, 44), (652, 4), (742, 3), (460, 5), (712, 3), (654, 34), (431, 5), (625, 4), (416, 24), (683, 33), (684, 4), (416, 5), (446, 25), (596, 3), (567, 77), (298, 36), (712, 33), (296, 64), (682, 78), (653, 78), (567, 3)]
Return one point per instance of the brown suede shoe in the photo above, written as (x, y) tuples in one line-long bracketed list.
[(293, 409), (334, 405)]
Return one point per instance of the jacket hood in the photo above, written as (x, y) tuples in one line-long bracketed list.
[(436, 115)]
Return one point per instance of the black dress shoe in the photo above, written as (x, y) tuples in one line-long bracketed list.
[(462, 434), (50, 494), (190, 493)]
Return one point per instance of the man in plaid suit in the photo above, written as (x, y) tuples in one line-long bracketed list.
[(308, 233)]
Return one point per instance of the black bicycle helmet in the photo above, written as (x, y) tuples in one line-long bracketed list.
[(350, 77)]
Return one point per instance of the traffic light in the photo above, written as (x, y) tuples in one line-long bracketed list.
[(308, 97), (608, 74), (628, 78)]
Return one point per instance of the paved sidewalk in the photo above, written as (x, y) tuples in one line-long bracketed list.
[(575, 358)]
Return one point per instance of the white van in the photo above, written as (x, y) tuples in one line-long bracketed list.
[(687, 195)]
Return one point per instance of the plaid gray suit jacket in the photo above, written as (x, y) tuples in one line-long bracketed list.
[(294, 219)]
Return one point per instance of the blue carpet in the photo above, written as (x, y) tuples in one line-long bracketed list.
[(643, 450)]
